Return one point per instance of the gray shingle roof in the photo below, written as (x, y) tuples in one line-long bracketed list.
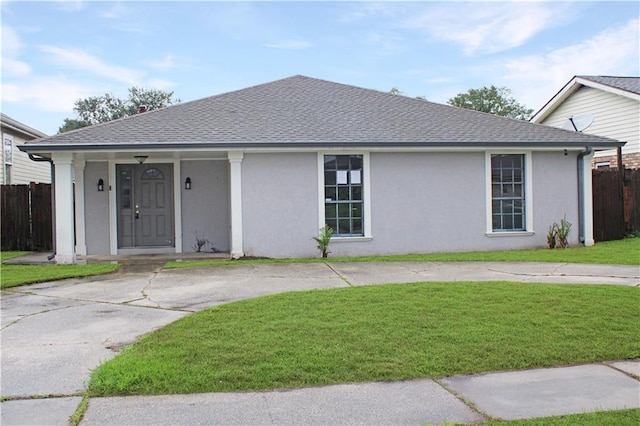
[(628, 84), (303, 111)]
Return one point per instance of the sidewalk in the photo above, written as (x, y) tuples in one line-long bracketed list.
[(505, 395)]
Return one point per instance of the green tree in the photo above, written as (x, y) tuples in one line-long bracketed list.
[(395, 91), (72, 124), (100, 109), (494, 100)]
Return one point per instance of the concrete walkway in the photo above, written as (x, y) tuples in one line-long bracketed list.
[(54, 333)]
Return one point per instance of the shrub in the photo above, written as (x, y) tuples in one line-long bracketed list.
[(558, 235), (323, 239)]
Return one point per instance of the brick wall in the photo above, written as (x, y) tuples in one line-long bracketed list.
[(630, 161)]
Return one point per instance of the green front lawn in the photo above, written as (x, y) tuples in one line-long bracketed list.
[(374, 333), (621, 252), (601, 418), (16, 275)]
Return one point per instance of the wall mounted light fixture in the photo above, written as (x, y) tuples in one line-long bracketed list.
[(140, 158), (100, 185), (187, 183)]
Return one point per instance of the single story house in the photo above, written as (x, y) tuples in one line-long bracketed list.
[(258, 171), (17, 168), (606, 106)]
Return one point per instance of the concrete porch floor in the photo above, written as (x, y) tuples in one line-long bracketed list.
[(41, 258)]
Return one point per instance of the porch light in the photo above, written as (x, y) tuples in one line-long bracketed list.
[(100, 185), (187, 183), (140, 158)]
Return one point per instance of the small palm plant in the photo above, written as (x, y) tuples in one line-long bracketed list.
[(563, 232), (558, 235), (323, 239)]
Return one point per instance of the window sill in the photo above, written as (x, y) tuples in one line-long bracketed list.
[(350, 239), (510, 234)]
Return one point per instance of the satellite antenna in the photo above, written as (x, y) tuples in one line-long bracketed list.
[(578, 123)]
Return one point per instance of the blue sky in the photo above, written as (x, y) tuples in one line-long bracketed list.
[(56, 52)]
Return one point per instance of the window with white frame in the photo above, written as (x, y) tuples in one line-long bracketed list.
[(508, 192), (343, 194)]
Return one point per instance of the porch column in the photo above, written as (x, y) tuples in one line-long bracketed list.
[(81, 244), (65, 249), (587, 200), (235, 176)]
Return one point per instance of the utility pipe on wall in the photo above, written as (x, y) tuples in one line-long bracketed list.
[(582, 197)]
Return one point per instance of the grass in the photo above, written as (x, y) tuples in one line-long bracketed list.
[(373, 333), (78, 415), (6, 255), (621, 252), (17, 275), (600, 418)]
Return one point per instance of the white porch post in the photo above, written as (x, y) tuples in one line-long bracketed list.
[(65, 250), (235, 176), (587, 199), (81, 244), (177, 205)]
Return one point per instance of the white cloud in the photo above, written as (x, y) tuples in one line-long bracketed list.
[(164, 64), (290, 45), (125, 18), (71, 5), (14, 68), (363, 10), (488, 27), (116, 11), (385, 42), (11, 46), (49, 94), (81, 60), (538, 77), (11, 43)]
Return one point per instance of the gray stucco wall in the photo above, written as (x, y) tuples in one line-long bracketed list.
[(96, 209), (420, 202), (205, 207), (436, 202), (280, 204), (555, 193)]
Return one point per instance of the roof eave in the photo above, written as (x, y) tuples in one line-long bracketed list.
[(557, 99), (35, 148), (570, 88), (21, 128)]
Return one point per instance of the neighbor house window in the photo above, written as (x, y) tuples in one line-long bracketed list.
[(508, 201), (8, 159), (343, 194)]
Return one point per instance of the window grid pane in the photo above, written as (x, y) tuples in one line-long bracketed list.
[(507, 192), (343, 194)]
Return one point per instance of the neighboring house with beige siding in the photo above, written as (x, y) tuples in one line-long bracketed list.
[(614, 105), (17, 167)]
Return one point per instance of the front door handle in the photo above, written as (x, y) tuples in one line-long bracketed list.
[(137, 211)]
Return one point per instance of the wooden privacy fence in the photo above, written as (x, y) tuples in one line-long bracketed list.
[(616, 203), (26, 217)]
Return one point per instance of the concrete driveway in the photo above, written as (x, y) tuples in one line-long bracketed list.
[(53, 334)]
